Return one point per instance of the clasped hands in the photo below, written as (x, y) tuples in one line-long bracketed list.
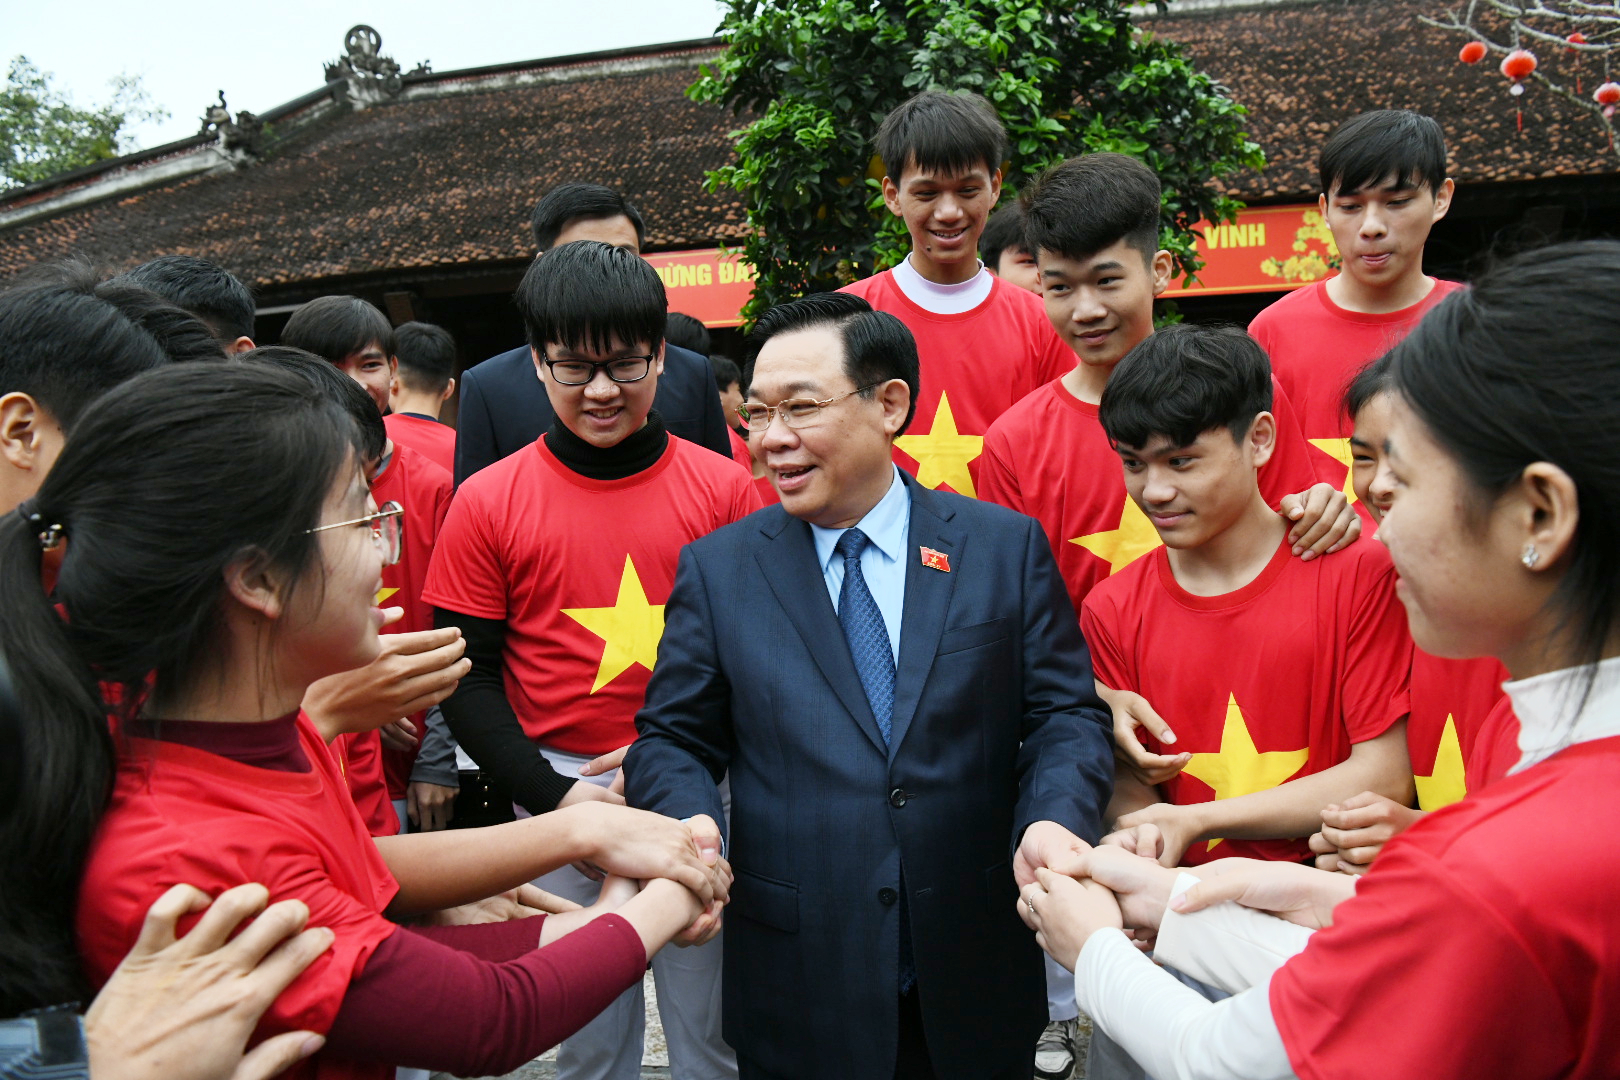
[(1068, 890)]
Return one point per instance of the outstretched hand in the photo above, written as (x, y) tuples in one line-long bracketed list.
[(1356, 830), (1300, 894), (1064, 913), (1047, 844), (642, 845)]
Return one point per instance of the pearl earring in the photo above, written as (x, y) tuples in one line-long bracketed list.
[(1530, 557)]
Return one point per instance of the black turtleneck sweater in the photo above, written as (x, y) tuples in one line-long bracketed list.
[(479, 715)]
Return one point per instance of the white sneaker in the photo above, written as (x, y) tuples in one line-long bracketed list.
[(1054, 1053)]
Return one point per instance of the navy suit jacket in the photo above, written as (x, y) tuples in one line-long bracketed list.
[(996, 724), (504, 406)]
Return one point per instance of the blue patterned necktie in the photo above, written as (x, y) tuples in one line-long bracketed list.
[(868, 637)]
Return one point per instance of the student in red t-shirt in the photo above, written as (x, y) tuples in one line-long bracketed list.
[(1384, 185), (424, 379), (1287, 682), (211, 603), (555, 563), (1461, 733), (1094, 222), (1482, 944), (355, 337), (983, 343)]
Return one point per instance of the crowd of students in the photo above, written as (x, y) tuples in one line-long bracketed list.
[(267, 620)]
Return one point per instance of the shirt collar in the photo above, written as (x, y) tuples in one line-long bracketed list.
[(885, 525), (1552, 715)]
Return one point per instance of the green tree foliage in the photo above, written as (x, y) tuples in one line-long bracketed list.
[(42, 133), (1067, 78)]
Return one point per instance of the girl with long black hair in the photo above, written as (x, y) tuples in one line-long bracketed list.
[(215, 551), (1482, 944)]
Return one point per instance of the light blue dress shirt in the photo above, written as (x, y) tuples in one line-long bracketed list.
[(883, 561)]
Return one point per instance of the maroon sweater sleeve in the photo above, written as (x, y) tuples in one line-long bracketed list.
[(488, 941), (422, 1004)]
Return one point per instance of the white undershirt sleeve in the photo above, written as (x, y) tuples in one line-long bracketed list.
[(1227, 946), (1172, 1032)]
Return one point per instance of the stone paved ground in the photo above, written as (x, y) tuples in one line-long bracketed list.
[(655, 1059)]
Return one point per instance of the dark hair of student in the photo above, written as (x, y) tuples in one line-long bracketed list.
[(877, 346), (335, 386), (1183, 381), (686, 332), (65, 338), (208, 291), (187, 469), (568, 203), (1369, 382), (1080, 206), (1367, 150), (726, 372), (336, 327), (944, 133), (427, 356), (1521, 368), (1003, 232), (585, 294)]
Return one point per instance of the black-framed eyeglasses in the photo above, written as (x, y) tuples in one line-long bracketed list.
[(795, 412), (626, 369), (387, 529)]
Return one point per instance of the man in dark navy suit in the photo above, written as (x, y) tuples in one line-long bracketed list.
[(895, 682), (503, 406)]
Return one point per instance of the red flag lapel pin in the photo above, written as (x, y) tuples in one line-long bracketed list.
[(935, 560)]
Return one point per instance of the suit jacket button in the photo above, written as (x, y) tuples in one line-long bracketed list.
[(897, 798), (887, 896)]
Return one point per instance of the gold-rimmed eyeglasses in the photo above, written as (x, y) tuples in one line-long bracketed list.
[(387, 529), (795, 412)]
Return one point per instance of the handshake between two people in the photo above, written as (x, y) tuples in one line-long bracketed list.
[(1069, 890)]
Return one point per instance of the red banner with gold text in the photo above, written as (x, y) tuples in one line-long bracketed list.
[(706, 285), (1269, 249)]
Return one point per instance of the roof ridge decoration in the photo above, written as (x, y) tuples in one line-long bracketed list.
[(366, 76), (240, 139)]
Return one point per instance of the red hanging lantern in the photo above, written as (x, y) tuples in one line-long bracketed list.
[(1517, 66), (1577, 38), (1472, 53), (1608, 96)]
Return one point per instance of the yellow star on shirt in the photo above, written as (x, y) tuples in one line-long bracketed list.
[(1238, 768), (1339, 450), (630, 628), (384, 594), (1447, 783), (1120, 547), (942, 455)]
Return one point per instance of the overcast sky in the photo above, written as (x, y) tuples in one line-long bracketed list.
[(186, 51)]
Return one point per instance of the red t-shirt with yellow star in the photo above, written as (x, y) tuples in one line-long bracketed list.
[(1451, 736), (1271, 682), (1317, 349), (424, 489), (974, 366), (181, 814), (1049, 457), (579, 569), (1482, 946)]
